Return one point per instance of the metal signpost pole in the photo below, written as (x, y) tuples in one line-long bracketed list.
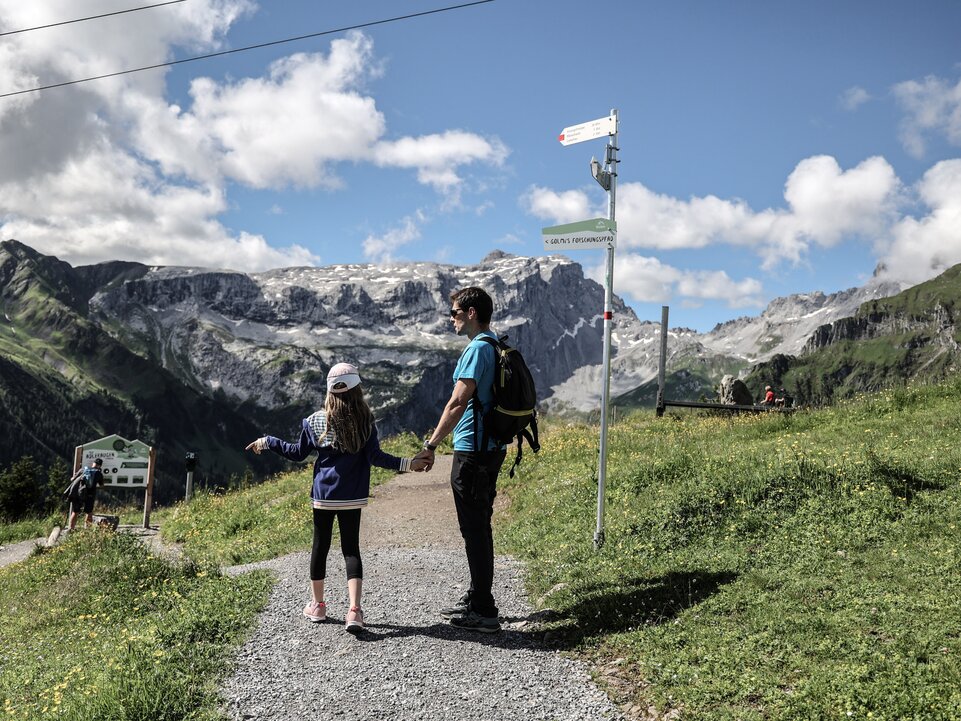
[(662, 362), (595, 233), (611, 168)]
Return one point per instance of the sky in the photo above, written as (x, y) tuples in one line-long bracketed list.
[(766, 148)]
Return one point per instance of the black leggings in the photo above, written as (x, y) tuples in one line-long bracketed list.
[(349, 524)]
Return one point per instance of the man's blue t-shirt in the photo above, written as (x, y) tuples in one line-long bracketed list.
[(477, 362)]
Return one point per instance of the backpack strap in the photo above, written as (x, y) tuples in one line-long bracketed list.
[(475, 400), (473, 404), (518, 455), (533, 440)]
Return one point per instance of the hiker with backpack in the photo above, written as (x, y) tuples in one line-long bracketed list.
[(345, 438), (478, 451), (82, 492)]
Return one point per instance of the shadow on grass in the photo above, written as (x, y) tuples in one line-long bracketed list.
[(614, 607), (901, 482), (907, 486), (601, 609)]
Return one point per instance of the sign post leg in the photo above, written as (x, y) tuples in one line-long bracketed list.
[(662, 362), (148, 496)]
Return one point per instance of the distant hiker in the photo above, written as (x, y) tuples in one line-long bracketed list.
[(768, 396), (783, 400), (473, 477), (83, 493), (345, 438)]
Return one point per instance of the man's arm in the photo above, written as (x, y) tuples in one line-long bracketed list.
[(454, 410)]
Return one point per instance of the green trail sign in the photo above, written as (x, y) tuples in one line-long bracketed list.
[(125, 463), (583, 235)]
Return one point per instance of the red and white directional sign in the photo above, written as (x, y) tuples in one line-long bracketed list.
[(589, 131)]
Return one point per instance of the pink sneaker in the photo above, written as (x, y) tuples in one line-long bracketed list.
[(316, 612), (355, 620)]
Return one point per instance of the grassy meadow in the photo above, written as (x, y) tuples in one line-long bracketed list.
[(97, 628), (775, 566)]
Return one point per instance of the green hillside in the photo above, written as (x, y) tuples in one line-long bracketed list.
[(64, 380), (915, 335)]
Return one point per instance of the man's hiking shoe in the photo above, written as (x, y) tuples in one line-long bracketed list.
[(316, 612), (355, 620), (461, 607), (472, 621)]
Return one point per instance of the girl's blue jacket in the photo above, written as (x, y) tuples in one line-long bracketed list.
[(341, 480)]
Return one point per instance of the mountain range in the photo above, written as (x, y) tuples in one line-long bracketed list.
[(205, 360)]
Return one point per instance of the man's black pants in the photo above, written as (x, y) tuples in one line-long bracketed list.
[(473, 479)]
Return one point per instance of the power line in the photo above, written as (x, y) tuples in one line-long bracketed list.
[(91, 17), (248, 47)]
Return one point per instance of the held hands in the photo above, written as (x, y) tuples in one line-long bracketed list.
[(419, 464), (423, 461), (258, 446)]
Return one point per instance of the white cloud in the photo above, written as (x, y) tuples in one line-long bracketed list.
[(560, 207), (112, 169), (383, 248), (921, 248), (648, 280), (437, 156), (508, 239), (109, 205), (854, 97), (932, 105), (825, 204), (287, 127), (829, 204)]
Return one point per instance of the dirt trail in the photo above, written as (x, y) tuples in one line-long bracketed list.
[(413, 510)]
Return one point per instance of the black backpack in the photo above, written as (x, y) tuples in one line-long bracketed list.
[(513, 414)]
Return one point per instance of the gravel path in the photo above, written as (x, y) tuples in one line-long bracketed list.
[(16, 552), (409, 664)]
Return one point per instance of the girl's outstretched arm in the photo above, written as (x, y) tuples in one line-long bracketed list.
[(291, 451), (380, 458)]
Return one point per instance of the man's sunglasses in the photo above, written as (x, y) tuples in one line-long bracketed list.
[(454, 312)]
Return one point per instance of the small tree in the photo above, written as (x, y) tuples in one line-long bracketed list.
[(58, 475), (22, 489)]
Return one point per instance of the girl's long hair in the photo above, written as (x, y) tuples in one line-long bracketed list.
[(350, 418)]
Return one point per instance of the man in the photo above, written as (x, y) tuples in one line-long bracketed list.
[(92, 477), (473, 477)]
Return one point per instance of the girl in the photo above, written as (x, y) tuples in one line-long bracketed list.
[(345, 438)]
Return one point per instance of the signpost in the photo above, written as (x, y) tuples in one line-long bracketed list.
[(591, 130), (597, 233), (591, 234), (126, 464)]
